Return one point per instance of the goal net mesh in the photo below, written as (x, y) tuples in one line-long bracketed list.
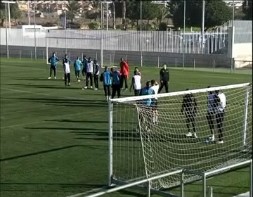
[(151, 142)]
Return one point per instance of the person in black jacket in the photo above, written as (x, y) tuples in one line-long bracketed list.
[(189, 108), (164, 79), (96, 70)]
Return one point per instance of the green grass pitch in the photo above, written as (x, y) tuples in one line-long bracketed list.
[(54, 138)]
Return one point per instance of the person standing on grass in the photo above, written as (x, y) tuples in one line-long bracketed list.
[(145, 107), (124, 72), (211, 107), (136, 69), (53, 64), (89, 73), (164, 79), (107, 82), (65, 60), (84, 63), (155, 88), (66, 68), (115, 74), (136, 83), (77, 66), (189, 108), (96, 73), (221, 105)]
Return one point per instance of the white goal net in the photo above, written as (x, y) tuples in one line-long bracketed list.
[(148, 141)]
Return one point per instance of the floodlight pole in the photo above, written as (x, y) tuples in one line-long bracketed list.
[(65, 27), (28, 12), (141, 31), (107, 16), (233, 13), (35, 44), (203, 25), (184, 34), (9, 16)]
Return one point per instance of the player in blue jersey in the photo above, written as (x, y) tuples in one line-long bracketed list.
[(115, 82), (107, 82), (77, 66), (53, 64), (145, 107)]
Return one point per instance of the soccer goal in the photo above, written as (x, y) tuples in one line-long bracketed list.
[(145, 142)]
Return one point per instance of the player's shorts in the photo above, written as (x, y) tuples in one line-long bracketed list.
[(154, 104)]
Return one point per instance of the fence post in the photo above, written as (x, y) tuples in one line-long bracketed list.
[(20, 54), (31, 55), (194, 63), (110, 59), (158, 61), (175, 62), (141, 60)]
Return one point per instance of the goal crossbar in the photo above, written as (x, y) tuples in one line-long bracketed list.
[(136, 98)]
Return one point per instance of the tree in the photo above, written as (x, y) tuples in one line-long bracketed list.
[(2, 13), (149, 11), (72, 9), (14, 12), (247, 9), (216, 13)]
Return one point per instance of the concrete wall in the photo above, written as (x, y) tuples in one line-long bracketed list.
[(242, 54)]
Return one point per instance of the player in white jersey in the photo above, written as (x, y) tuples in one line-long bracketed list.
[(136, 83), (220, 111), (66, 68), (211, 107), (155, 88)]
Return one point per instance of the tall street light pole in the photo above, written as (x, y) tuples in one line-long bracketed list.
[(141, 31), (203, 25), (184, 34), (7, 10), (28, 12), (35, 44)]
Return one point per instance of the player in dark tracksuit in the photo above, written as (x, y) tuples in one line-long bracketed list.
[(189, 108), (164, 79), (96, 70), (84, 63)]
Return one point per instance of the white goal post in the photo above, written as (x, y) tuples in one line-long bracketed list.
[(146, 142)]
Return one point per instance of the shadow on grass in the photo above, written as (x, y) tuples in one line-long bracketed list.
[(66, 128), (47, 151), (68, 102), (50, 86), (48, 187)]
